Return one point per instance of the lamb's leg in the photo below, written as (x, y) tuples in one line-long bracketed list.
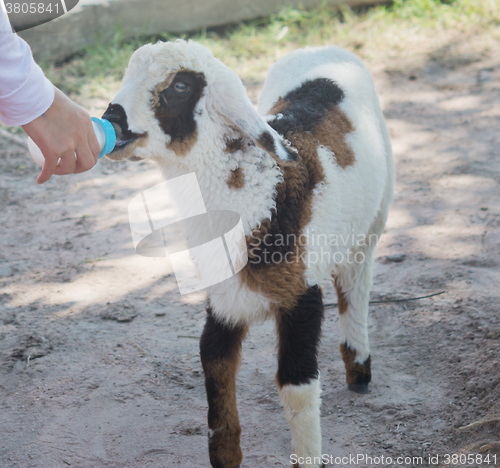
[(220, 349), (299, 332), (353, 290)]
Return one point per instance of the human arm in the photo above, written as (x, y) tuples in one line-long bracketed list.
[(58, 126)]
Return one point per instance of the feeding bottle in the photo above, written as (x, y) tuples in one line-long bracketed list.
[(104, 132)]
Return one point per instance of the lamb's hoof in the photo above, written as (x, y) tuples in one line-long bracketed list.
[(358, 388)]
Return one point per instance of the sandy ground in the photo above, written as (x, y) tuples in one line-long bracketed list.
[(99, 361)]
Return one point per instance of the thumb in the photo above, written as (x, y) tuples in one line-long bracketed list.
[(49, 166)]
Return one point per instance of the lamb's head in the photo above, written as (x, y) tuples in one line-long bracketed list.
[(178, 101)]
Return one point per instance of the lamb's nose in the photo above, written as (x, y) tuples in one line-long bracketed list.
[(115, 113)]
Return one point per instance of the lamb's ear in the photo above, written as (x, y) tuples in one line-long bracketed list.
[(235, 106)]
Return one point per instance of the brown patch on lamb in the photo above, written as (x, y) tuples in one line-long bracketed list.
[(355, 373), (236, 179), (277, 269), (279, 106), (184, 147), (233, 145), (342, 303), (332, 131)]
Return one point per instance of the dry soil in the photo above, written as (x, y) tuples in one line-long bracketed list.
[(99, 361)]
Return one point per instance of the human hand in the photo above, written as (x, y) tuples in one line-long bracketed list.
[(63, 130)]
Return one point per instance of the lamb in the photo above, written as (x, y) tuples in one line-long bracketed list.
[(313, 164)]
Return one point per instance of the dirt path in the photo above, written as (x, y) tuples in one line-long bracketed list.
[(99, 361)]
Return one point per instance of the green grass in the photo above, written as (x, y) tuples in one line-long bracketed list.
[(251, 47)]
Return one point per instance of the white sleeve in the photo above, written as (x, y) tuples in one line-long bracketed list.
[(25, 92)]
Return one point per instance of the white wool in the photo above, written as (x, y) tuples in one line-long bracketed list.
[(302, 411)]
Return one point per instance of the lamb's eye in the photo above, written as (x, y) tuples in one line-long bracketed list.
[(181, 87)]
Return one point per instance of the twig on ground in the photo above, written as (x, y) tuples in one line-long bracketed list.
[(139, 348), (490, 446), (495, 418), (333, 304)]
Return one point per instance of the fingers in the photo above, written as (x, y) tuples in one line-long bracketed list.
[(69, 162), (80, 156), (85, 159), (66, 164), (87, 154), (59, 159), (48, 169)]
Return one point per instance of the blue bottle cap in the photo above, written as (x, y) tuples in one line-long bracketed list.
[(109, 133)]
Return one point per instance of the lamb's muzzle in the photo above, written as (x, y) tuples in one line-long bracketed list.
[(126, 140)]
